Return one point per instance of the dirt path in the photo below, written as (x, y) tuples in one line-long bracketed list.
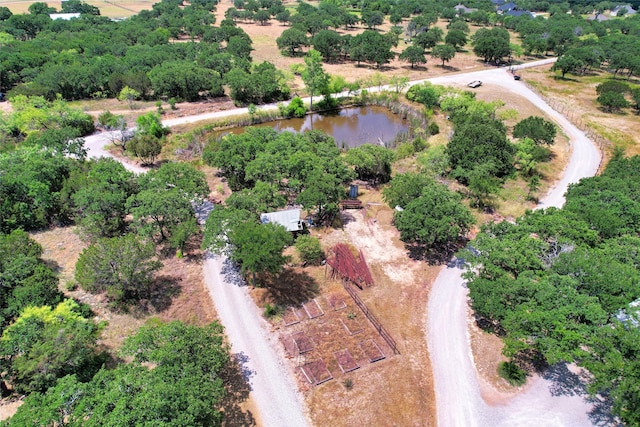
[(275, 395), (556, 399)]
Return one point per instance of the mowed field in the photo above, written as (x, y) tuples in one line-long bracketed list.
[(111, 9)]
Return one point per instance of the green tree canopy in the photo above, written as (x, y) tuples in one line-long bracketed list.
[(315, 78), (258, 248), (555, 282), (404, 188), (491, 45), (99, 202), (444, 52), (477, 142), (184, 385), (291, 41), (262, 84), (541, 131), (413, 55), (435, 219), (31, 181), (24, 278), (329, 43), (371, 46), (371, 162), (122, 267), (567, 64), (45, 344)]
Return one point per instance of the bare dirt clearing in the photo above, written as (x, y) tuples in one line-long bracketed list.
[(400, 385)]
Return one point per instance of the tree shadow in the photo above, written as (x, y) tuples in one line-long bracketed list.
[(564, 382), (565, 79), (162, 291), (434, 255), (613, 111), (231, 272), (450, 68), (236, 377), (567, 383), (347, 217), (292, 287)]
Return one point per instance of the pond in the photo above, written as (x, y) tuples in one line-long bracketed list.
[(349, 127)]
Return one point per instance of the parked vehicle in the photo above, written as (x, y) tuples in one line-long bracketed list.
[(474, 84)]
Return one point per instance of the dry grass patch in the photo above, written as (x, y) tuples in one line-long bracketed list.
[(110, 9), (180, 293), (402, 384), (575, 97), (265, 49)]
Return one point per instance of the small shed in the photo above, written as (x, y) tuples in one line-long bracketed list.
[(289, 219)]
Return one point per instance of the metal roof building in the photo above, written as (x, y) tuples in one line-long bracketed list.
[(289, 219)]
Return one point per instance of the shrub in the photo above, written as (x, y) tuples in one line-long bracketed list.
[(146, 147), (419, 144), (425, 94), (433, 128), (271, 310), (405, 150), (511, 372), (296, 108), (612, 101), (309, 249), (123, 267), (612, 86)]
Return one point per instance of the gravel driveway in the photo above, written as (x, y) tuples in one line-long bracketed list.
[(547, 401)]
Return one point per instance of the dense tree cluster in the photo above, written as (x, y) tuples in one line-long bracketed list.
[(304, 168), (555, 282), (431, 217), (96, 57), (268, 170), (43, 338), (174, 379)]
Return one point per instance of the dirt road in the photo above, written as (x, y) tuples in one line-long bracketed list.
[(273, 391), (547, 401)]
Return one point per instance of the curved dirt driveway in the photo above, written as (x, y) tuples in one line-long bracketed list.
[(458, 391)]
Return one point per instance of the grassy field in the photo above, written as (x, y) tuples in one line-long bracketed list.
[(575, 97), (111, 9)]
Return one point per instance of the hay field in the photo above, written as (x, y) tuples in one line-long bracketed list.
[(111, 9)]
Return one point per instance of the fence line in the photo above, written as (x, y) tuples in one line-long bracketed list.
[(372, 318), (577, 122)]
